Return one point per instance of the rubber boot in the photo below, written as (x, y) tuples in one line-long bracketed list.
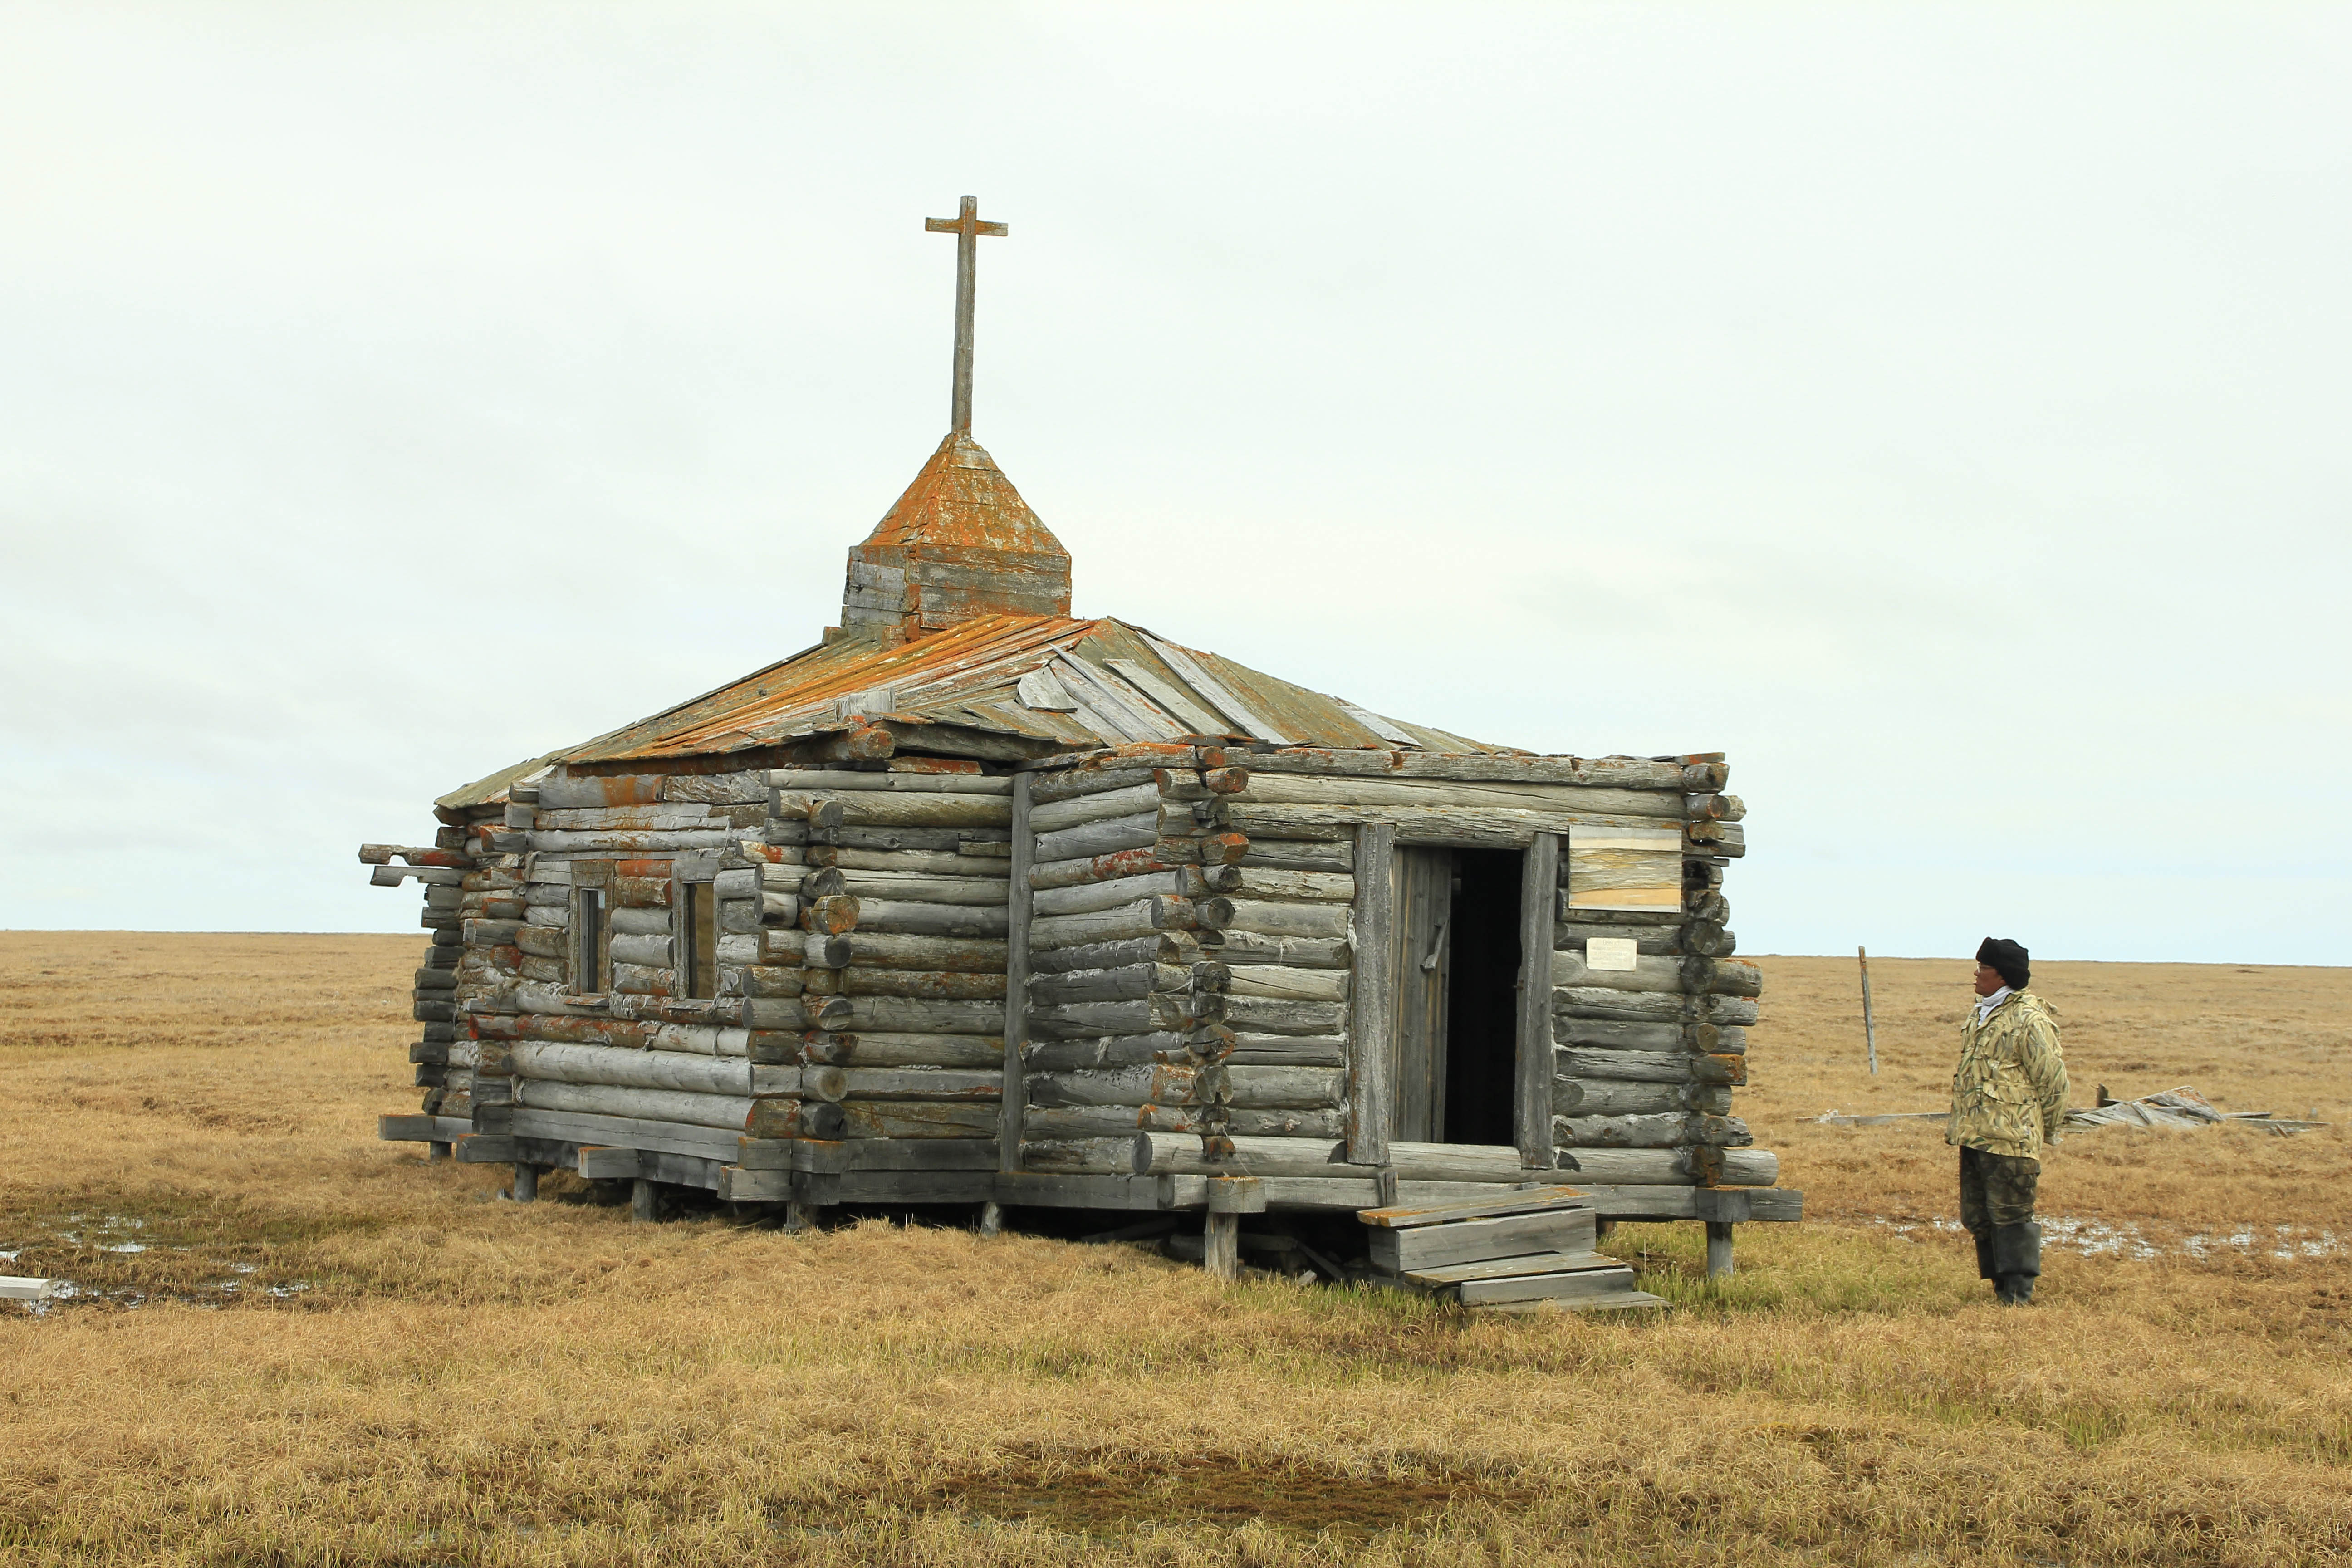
[(1984, 1255), (2016, 1262)]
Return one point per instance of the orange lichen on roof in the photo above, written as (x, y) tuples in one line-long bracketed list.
[(959, 544)]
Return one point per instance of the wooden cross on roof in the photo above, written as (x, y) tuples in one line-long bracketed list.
[(967, 228)]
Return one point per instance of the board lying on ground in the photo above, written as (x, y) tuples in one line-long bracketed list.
[(2178, 1108), (978, 902)]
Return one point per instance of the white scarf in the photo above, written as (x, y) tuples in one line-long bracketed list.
[(1985, 1005)]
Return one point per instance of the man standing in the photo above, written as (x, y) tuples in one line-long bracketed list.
[(2008, 1098)]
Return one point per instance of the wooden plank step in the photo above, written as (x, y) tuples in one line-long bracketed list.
[(1522, 1200), (1499, 1268), (1474, 1240), (1545, 1287), (1617, 1301)]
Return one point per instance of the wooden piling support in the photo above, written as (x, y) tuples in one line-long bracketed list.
[(435, 1152), (645, 1202), (1221, 1252), (991, 1219), (526, 1183), (1719, 1249)]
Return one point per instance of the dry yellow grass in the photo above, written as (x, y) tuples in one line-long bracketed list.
[(464, 1380)]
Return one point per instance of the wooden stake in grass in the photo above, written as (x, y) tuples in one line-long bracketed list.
[(1869, 1027)]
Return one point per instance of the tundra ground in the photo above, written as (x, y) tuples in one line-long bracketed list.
[(294, 1344)]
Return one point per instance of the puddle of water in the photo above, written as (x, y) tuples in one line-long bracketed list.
[(2102, 1238)]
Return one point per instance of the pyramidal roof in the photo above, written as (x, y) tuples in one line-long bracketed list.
[(959, 544)]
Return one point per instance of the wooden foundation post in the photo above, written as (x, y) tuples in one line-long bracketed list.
[(1719, 1249), (991, 1219), (435, 1152), (1221, 1245), (799, 1216), (645, 1202), (526, 1183)]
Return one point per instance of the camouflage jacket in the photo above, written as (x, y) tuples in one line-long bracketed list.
[(2009, 1095)]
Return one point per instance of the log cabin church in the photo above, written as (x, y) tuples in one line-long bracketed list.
[(977, 901)]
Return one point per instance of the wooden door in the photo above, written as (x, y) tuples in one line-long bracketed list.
[(1421, 963)]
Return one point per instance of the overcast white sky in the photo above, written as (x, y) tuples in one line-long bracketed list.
[(1942, 410)]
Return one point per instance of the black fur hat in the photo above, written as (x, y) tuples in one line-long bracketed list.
[(2008, 958)]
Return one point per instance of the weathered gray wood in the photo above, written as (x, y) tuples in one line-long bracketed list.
[(1105, 1120), (645, 1202), (1290, 1051), (1581, 800), (1460, 1163), (1086, 898), (1480, 829), (525, 1184), (1022, 918), (1107, 1156), (1278, 854), (1611, 773), (882, 885), (1108, 1051), (863, 949), (1651, 1132), (1289, 984), (1273, 1016), (732, 1112), (973, 841), (619, 1131), (1648, 939), (1159, 1084), (1645, 1006), (1419, 956), (1078, 810), (1650, 1067), (1140, 831), (932, 985), (1087, 868), (918, 1016), (901, 1051), (1248, 881), (1531, 1268), (686, 818), (601, 1164), (911, 862), (921, 1083), (1142, 918), (1271, 919), (1126, 982), (1721, 976), (1492, 1204), (1138, 1016), (1532, 1097), (1243, 1122), (1260, 1088), (1054, 787), (864, 1119), (686, 1071), (1718, 1250), (820, 779), (1604, 1096), (1617, 1034), (910, 919), (1220, 1244), (1182, 948), (633, 844), (883, 809), (1473, 1240), (1159, 1153), (1238, 948)]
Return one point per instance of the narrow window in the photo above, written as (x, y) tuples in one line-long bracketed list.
[(698, 933), (589, 942)]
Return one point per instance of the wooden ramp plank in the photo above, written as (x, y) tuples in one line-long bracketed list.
[(1523, 1200), (1618, 1302), (1547, 1287), (1497, 1268), (1562, 1229)]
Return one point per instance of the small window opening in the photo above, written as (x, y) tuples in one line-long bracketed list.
[(591, 943), (698, 932)]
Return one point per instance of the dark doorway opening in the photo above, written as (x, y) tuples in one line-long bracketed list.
[(1482, 997)]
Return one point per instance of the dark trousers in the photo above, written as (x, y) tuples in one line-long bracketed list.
[(1996, 1190)]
